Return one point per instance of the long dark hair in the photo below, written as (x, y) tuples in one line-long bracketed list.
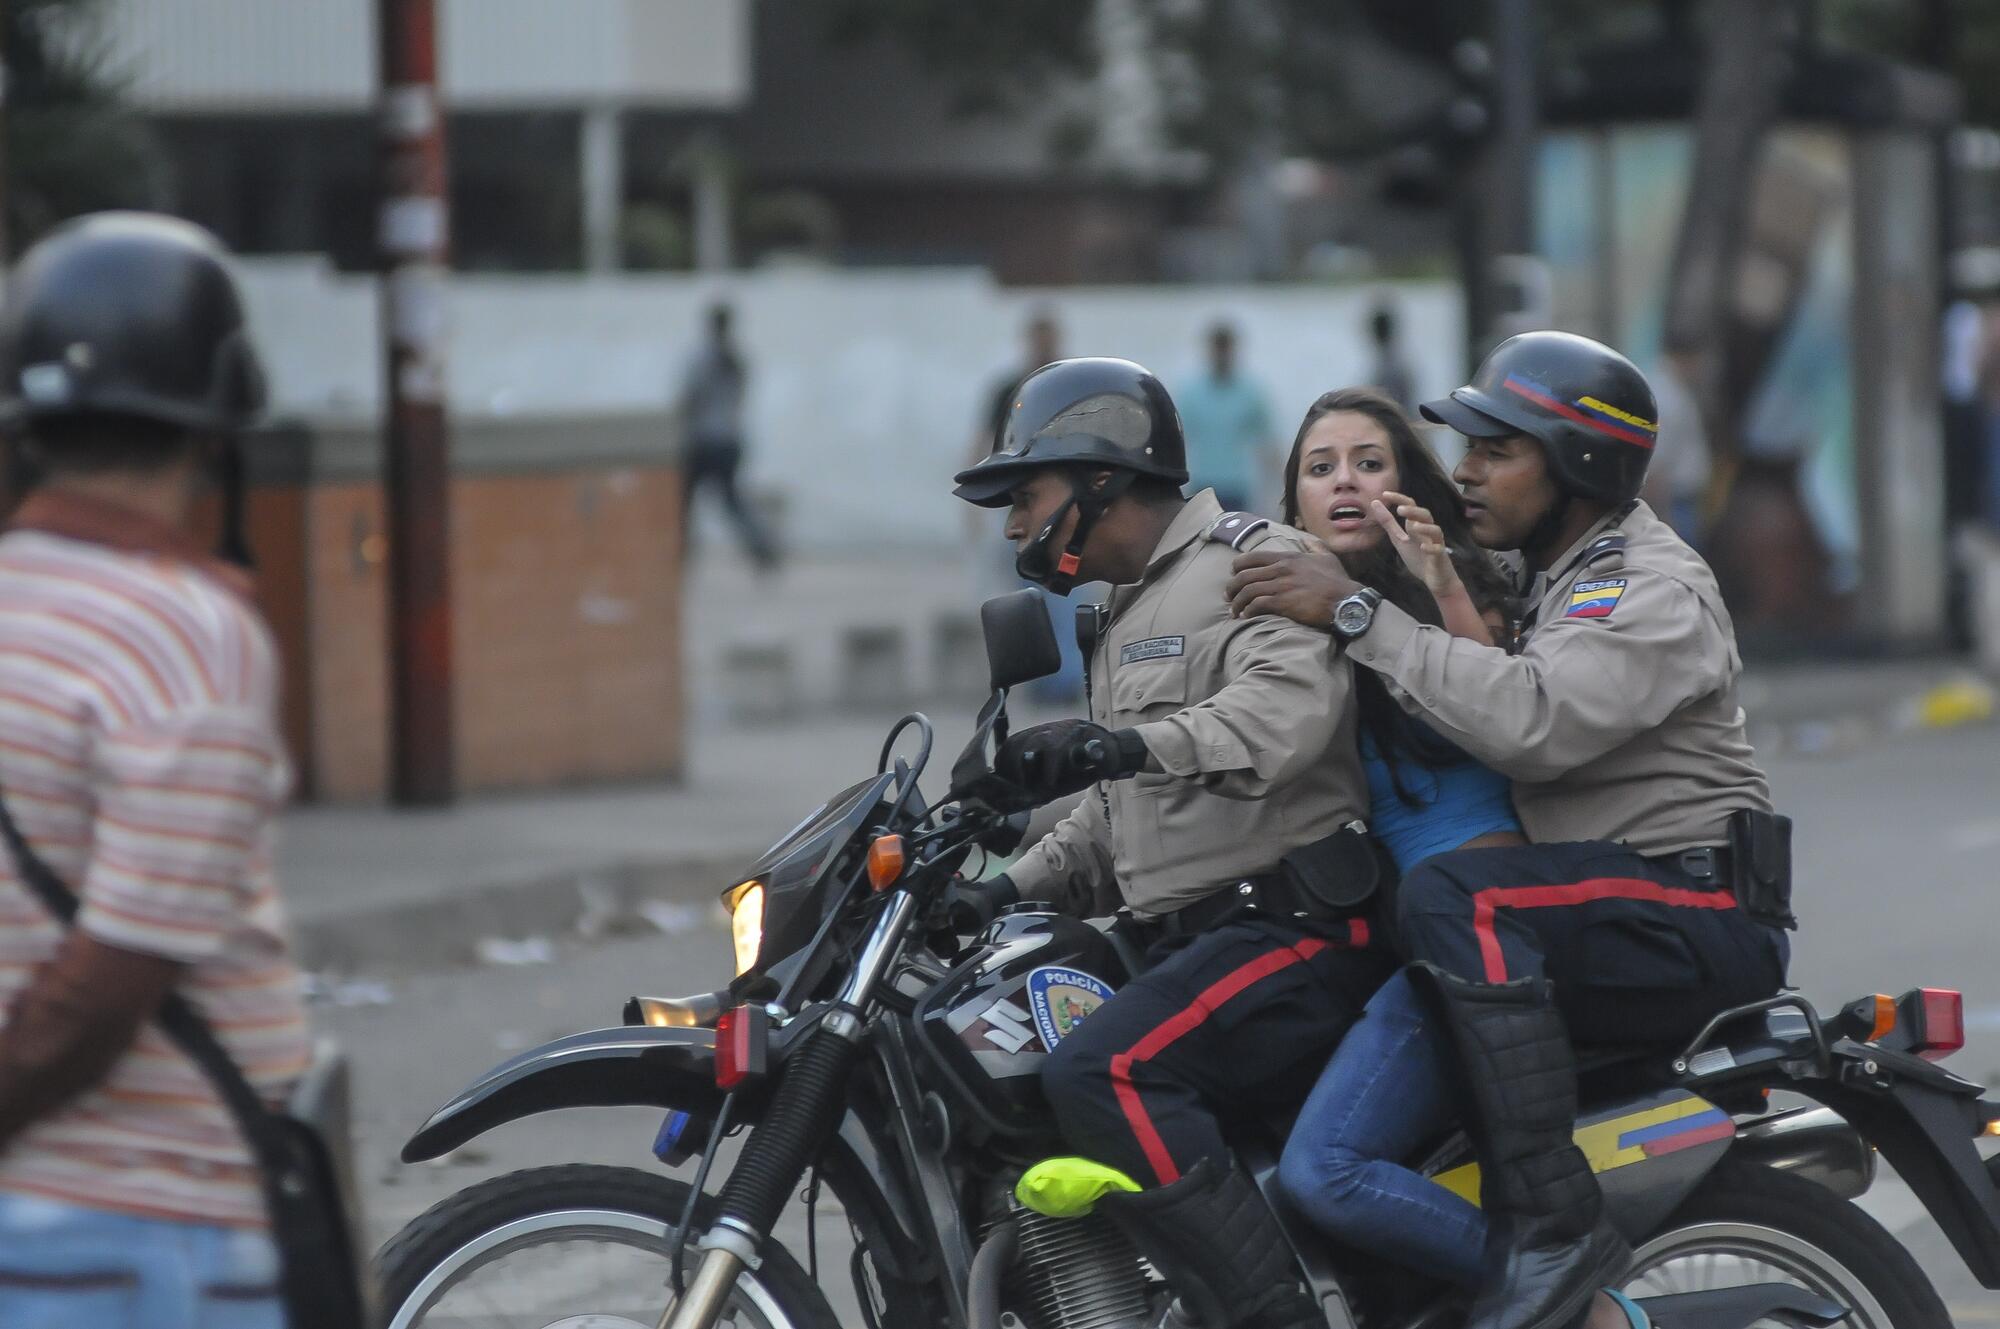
[(1420, 475)]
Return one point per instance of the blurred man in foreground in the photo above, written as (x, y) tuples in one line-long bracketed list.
[(141, 762)]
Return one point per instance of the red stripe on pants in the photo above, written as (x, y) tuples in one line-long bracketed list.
[(1189, 1018), (1486, 903)]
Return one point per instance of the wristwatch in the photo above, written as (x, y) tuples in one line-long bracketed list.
[(1352, 616)]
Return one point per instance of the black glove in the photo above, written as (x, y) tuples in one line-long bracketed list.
[(1064, 756), (971, 905)]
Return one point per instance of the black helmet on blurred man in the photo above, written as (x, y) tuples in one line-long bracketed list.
[(127, 314), (1590, 407), (1088, 415)]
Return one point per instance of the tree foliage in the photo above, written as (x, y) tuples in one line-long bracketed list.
[(70, 146), (1901, 29), (1243, 73), (992, 54)]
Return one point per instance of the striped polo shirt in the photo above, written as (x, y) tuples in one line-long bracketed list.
[(139, 752)]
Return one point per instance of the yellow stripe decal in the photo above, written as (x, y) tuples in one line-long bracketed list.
[(1597, 1139), (1605, 408)]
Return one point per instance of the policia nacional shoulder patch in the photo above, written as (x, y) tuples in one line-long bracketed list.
[(1594, 599)]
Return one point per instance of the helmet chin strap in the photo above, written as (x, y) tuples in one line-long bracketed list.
[(233, 489), (1057, 574)]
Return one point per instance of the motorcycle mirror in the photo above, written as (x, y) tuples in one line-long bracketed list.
[(1020, 642)]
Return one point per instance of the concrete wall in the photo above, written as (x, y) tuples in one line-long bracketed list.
[(865, 385), (196, 55), (565, 566)]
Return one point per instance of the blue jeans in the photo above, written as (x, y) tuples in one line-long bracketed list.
[(1385, 1094), (63, 1267)]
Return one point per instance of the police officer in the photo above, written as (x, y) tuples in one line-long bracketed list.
[(1216, 747), (1659, 877)]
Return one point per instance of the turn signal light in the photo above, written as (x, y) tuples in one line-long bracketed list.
[(696, 1012), (1935, 1018), (885, 861), (1885, 1017)]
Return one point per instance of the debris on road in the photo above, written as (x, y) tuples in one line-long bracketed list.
[(330, 990), (526, 951)]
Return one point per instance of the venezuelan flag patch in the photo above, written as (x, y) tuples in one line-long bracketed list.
[(1594, 599)]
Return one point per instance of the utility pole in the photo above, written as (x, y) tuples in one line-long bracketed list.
[(1745, 67), (415, 253), (6, 112), (1495, 225)]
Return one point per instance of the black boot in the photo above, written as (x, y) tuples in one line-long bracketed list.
[(1549, 1248), (1212, 1236)]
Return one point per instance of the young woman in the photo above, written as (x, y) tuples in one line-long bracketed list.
[(1361, 481)]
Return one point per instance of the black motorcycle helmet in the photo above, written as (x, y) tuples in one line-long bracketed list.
[(1589, 406), (1095, 411), (1089, 414), (127, 314)]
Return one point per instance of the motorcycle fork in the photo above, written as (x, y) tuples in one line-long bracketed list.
[(948, 1235)]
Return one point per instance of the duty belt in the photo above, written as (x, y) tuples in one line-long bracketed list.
[(1708, 865), (1267, 893)]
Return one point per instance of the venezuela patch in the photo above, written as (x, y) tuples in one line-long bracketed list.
[(1594, 599)]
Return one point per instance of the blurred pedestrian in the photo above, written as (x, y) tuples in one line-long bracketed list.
[(1963, 349), (1677, 481), (1390, 373), (141, 773), (1227, 420), (711, 404), (1041, 345), (993, 562), (1988, 454)]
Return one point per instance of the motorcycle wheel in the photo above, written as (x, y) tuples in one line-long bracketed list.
[(571, 1247), (1747, 1224)]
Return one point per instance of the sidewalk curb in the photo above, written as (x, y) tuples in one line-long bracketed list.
[(445, 929), (1956, 698)]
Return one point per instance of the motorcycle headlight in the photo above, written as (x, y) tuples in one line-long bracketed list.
[(746, 923)]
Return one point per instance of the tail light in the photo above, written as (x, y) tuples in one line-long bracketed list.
[(742, 1036), (1934, 1021)]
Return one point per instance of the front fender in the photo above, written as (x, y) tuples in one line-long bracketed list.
[(630, 1066)]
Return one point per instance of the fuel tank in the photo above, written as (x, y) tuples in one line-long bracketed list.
[(989, 1026)]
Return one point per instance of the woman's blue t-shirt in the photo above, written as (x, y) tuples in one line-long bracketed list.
[(1453, 804)]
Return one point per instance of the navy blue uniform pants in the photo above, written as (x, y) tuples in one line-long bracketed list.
[(1237, 1021), (1637, 949)]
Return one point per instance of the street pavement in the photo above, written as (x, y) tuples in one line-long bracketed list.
[(445, 941), (1897, 888)]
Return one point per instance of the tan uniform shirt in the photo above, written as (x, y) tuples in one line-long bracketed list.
[(1251, 727), (1618, 719)]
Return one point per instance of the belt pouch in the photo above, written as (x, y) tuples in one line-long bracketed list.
[(1335, 876), (1760, 866)]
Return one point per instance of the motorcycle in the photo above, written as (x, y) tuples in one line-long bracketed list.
[(863, 1050)]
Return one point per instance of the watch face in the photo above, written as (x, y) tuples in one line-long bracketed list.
[(1352, 616)]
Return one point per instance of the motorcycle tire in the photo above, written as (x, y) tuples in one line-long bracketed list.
[(1799, 1232), (465, 1233)]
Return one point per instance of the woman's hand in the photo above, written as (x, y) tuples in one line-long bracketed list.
[(1419, 541)]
